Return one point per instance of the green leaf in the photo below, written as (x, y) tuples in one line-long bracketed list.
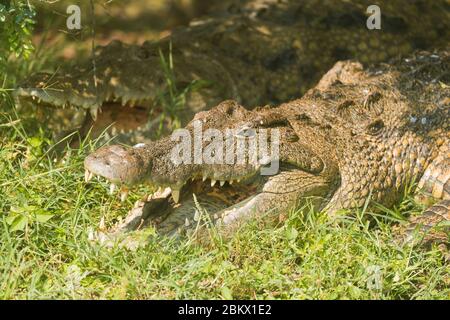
[(227, 294), (43, 217), (19, 223), (10, 219), (35, 142)]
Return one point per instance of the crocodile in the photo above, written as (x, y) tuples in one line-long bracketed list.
[(255, 52), (358, 139)]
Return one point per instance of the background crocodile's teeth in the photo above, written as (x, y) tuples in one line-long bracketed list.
[(88, 176), (230, 182), (112, 188), (123, 195), (216, 216), (94, 112), (222, 182), (238, 180), (204, 178), (187, 223), (197, 216), (213, 182), (176, 195)]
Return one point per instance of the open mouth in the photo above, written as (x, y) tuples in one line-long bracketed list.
[(198, 202), (125, 120)]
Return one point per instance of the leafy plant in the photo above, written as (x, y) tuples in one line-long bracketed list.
[(20, 217), (17, 19)]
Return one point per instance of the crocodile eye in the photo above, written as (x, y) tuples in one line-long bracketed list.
[(375, 127)]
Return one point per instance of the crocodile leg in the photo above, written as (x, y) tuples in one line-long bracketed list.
[(301, 188), (433, 225)]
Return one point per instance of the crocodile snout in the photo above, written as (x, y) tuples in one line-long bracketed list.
[(118, 164)]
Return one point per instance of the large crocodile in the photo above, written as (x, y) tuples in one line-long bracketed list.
[(255, 52), (361, 136)]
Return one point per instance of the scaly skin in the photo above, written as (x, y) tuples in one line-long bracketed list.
[(255, 52), (359, 135)]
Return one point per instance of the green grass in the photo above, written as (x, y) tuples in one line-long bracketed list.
[(172, 100), (46, 212)]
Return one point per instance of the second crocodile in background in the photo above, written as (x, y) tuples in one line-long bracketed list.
[(256, 52)]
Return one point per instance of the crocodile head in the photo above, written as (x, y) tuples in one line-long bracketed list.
[(214, 158), (126, 85)]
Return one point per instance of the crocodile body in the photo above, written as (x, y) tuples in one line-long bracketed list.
[(255, 52), (361, 136)]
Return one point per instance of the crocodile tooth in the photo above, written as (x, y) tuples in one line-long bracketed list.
[(222, 182), (197, 216), (176, 195), (114, 131), (112, 188), (213, 182), (238, 180), (94, 112), (204, 178), (88, 176), (216, 216), (187, 223), (123, 195), (230, 182)]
